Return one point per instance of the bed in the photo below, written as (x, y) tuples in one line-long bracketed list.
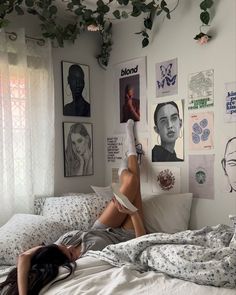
[(124, 268)]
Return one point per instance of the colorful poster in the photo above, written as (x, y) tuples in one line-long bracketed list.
[(229, 164), (131, 100), (201, 176), (201, 131), (167, 78), (166, 179), (167, 132), (230, 102), (114, 149), (201, 90)]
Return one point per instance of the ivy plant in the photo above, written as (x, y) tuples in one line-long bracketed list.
[(99, 18)]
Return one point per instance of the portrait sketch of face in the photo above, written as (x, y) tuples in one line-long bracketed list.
[(229, 163), (167, 134), (78, 149)]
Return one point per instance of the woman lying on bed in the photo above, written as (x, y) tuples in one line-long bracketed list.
[(39, 265)]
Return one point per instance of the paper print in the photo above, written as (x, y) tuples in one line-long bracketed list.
[(167, 78), (166, 179), (230, 102), (201, 131), (201, 176), (130, 89), (114, 149), (114, 175), (201, 90), (229, 164), (167, 132)]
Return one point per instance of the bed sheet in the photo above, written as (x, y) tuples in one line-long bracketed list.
[(96, 277)]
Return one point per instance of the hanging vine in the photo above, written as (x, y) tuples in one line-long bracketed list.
[(97, 19)]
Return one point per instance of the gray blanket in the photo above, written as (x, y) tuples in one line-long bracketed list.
[(206, 256)]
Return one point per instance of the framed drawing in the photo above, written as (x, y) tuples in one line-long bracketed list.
[(78, 149), (75, 89)]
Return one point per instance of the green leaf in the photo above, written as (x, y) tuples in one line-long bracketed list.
[(145, 34), (159, 11), (163, 4), (136, 11), (148, 23), (205, 17), (4, 22), (29, 3), (145, 42), (100, 3), (19, 10), (53, 9), (116, 14), (206, 4), (105, 9), (32, 11), (125, 2), (70, 6), (124, 14), (78, 11), (87, 14)]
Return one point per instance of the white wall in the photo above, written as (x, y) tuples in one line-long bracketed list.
[(172, 39), (83, 51)]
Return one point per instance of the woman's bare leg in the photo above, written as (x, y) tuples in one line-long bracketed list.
[(130, 186)]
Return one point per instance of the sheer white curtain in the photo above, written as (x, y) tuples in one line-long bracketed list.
[(26, 124)]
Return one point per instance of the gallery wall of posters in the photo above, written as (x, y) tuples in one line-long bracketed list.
[(75, 89), (167, 78), (130, 90), (230, 102), (78, 149), (201, 176), (201, 131), (201, 90), (167, 131)]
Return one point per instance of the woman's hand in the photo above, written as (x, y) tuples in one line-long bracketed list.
[(121, 208)]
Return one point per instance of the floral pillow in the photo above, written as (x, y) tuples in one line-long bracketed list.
[(76, 212), (24, 231)]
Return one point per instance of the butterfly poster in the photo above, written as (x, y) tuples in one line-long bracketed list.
[(167, 78), (201, 90), (201, 176), (201, 131)]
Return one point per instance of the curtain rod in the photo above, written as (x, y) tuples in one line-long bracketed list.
[(13, 36)]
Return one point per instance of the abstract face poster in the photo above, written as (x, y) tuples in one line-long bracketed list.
[(229, 164), (230, 102), (130, 84), (166, 179), (167, 132), (201, 90), (201, 176), (167, 78), (114, 149), (201, 131)]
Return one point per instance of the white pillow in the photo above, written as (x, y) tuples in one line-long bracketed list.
[(168, 213), (24, 231), (76, 212)]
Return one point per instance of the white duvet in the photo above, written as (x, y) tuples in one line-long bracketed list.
[(96, 277)]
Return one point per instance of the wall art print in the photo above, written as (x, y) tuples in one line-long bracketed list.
[(76, 89), (201, 131), (130, 89), (201, 176), (201, 90), (167, 78), (167, 132), (78, 149), (230, 102), (229, 164), (166, 179)]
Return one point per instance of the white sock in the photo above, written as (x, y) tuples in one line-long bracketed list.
[(130, 138), (123, 166)]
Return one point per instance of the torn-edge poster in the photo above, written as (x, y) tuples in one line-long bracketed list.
[(230, 102)]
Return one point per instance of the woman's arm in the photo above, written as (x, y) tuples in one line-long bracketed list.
[(135, 218), (23, 267)]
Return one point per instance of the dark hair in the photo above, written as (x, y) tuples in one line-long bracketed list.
[(160, 105), (128, 87), (44, 268)]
